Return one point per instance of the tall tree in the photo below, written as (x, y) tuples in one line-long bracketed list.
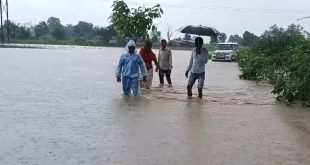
[(169, 32), (41, 29), (53, 22), (17, 31), (133, 23), (235, 38), (83, 30), (249, 38), (223, 37), (56, 29), (24, 32), (213, 40), (105, 34), (69, 31), (59, 33)]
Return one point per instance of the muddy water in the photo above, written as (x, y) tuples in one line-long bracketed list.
[(62, 105)]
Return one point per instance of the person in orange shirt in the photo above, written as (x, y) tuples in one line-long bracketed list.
[(148, 57)]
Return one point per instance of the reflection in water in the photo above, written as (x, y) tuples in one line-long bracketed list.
[(132, 102)]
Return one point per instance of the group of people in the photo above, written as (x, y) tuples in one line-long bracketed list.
[(135, 70)]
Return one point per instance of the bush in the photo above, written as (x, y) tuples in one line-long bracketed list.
[(294, 84), (282, 57), (250, 64)]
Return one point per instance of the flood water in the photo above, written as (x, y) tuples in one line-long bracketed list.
[(62, 105)]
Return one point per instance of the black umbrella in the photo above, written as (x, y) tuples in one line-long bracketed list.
[(200, 30)]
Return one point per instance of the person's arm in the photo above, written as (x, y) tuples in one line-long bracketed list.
[(142, 67), (119, 68), (189, 66), (159, 57), (170, 60), (156, 63)]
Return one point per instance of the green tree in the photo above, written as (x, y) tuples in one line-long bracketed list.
[(249, 38), (53, 23), (84, 30), (56, 29), (14, 28), (223, 37), (69, 31), (59, 33), (24, 32), (235, 38), (133, 23), (41, 29), (17, 31), (213, 40), (105, 33)]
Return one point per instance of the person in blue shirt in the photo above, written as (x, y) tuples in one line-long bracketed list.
[(129, 68), (196, 67)]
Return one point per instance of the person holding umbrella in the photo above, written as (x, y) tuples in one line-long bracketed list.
[(196, 67)]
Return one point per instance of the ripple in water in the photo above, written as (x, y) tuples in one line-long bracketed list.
[(214, 95)]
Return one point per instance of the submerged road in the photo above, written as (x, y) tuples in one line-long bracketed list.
[(63, 106)]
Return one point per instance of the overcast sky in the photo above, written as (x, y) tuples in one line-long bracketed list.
[(229, 16)]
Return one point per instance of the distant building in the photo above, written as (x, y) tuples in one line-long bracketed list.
[(113, 40), (181, 43)]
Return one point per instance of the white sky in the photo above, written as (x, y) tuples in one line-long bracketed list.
[(229, 16)]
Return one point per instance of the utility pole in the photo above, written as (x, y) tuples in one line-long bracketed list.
[(4, 10), (1, 27), (7, 21)]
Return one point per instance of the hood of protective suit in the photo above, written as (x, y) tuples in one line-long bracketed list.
[(130, 43)]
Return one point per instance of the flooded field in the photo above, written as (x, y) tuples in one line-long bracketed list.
[(62, 105)]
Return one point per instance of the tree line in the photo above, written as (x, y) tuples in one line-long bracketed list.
[(126, 23), (55, 30)]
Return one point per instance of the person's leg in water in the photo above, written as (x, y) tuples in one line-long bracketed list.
[(126, 85), (191, 81), (142, 84), (201, 80), (189, 90), (200, 92), (149, 79), (168, 77), (161, 77), (135, 86)]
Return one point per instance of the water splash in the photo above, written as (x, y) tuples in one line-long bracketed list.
[(213, 95)]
